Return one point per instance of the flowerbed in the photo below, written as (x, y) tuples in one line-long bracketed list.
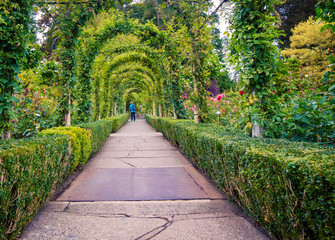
[(288, 187)]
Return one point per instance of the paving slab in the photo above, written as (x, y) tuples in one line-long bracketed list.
[(137, 162), (173, 199), (131, 184)]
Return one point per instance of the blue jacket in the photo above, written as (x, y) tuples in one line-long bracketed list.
[(132, 107)]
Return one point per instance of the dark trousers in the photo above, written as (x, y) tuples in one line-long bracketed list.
[(132, 116)]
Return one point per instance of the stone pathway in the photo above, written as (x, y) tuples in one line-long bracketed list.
[(138, 186)]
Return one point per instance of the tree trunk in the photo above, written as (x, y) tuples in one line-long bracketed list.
[(68, 114), (257, 130), (196, 105), (153, 108), (160, 110), (5, 135)]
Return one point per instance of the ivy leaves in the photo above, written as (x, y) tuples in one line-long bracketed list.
[(15, 19)]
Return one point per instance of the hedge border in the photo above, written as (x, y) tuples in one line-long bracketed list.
[(288, 187), (31, 168)]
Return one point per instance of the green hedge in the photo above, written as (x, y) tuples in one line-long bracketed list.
[(100, 130), (31, 168), (80, 143), (288, 187)]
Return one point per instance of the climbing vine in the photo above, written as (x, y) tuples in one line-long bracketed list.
[(254, 51), (15, 34)]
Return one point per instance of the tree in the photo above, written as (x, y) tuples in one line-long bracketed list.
[(292, 12), (311, 46)]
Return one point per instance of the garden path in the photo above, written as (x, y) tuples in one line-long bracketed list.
[(139, 186)]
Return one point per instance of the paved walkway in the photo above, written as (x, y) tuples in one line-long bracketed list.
[(138, 186)]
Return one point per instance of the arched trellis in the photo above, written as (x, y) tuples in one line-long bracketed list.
[(139, 79), (146, 62), (95, 42)]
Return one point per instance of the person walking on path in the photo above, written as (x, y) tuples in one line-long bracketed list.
[(132, 109)]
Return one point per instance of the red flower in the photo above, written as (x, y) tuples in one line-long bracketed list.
[(185, 97), (25, 91), (241, 92), (274, 92), (92, 79)]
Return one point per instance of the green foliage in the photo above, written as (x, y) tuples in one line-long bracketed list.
[(311, 46), (15, 34), (80, 143), (33, 112), (100, 130), (253, 50), (287, 186), (252, 43), (292, 12), (30, 169)]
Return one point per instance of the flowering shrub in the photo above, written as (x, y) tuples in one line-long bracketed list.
[(33, 112)]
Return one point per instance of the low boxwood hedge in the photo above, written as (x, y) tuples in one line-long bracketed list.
[(288, 187), (100, 130), (31, 168)]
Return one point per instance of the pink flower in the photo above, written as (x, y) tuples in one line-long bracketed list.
[(241, 92), (222, 110), (186, 107), (185, 97), (306, 76), (192, 109), (289, 72), (274, 92), (217, 106), (212, 99), (228, 102), (220, 96)]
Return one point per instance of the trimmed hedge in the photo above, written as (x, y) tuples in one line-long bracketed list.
[(80, 143), (100, 130), (288, 187), (31, 168)]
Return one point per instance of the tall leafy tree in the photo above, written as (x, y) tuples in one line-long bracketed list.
[(311, 46), (292, 12)]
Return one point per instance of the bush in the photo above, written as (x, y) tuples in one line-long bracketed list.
[(287, 186), (80, 143), (30, 169), (100, 130)]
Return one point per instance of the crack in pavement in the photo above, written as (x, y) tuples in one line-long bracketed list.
[(154, 232), (127, 163)]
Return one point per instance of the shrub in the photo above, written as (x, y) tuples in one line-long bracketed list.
[(80, 143), (100, 130), (287, 186), (30, 169)]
